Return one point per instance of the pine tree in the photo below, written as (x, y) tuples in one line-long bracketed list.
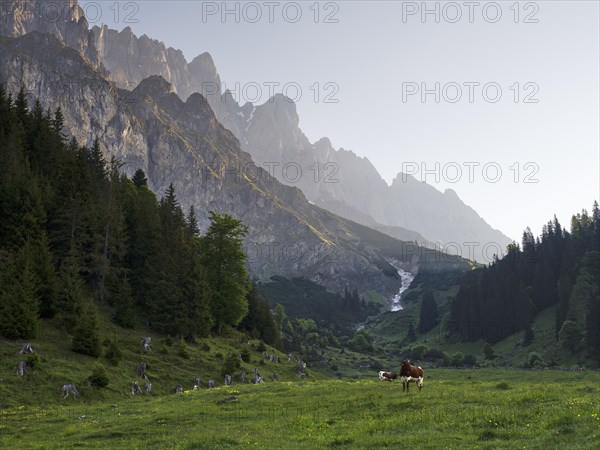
[(192, 223), (71, 294), (259, 321), (225, 263), (429, 314), (411, 336), (58, 122), (46, 278), (21, 107), (86, 336), (139, 179), (18, 296)]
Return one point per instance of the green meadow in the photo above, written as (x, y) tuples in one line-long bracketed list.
[(457, 409)]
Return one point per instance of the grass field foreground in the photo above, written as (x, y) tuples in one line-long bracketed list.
[(457, 409)]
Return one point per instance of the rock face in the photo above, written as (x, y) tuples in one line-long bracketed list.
[(63, 19), (182, 142), (337, 180)]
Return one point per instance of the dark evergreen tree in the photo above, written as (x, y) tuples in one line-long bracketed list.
[(192, 223), (139, 179), (86, 336), (46, 279), (429, 314), (225, 263), (411, 336), (18, 296), (259, 322), (71, 293)]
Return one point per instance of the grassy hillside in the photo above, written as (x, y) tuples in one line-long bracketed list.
[(168, 364), (456, 409), (390, 331)]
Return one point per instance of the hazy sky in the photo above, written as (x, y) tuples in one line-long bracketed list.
[(536, 120)]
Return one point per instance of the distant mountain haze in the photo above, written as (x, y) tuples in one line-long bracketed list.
[(337, 180)]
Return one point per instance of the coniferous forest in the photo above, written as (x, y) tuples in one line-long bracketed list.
[(76, 233), (561, 268)]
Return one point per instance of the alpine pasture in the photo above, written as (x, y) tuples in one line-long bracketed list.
[(485, 408)]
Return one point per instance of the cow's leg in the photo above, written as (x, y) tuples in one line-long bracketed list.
[(420, 383)]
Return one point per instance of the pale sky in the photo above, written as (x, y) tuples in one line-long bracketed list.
[(378, 51)]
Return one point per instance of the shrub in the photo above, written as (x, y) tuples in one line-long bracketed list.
[(113, 352), (534, 359), (457, 359), (33, 361), (231, 365), (418, 351), (261, 347), (503, 386), (183, 349), (99, 377), (245, 354), (488, 351), (361, 342)]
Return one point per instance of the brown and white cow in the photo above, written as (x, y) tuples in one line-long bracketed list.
[(387, 376), (410, 373)]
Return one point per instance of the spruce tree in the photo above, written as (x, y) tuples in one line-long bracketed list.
[(225, 263), (86, 336), (139, 179), (71, 294), (18, 296), (192, 223), (429, 314)]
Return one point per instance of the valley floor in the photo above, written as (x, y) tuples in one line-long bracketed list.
[(457, 409)]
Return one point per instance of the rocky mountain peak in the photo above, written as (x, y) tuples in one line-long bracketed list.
[(154, 86)]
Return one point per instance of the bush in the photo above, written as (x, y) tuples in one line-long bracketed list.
[(457, 359), (440, 358), (361, 342), (261, 347), (99, 377), (418, 351), (534, 359), (113, 352), (503, 386), (245, 355), (33, 361), (183, 349), (231, 365), (488, 352)]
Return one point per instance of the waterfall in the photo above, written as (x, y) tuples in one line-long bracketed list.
[(406, 278)]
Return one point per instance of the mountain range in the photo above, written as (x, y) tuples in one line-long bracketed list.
[(155, 111)]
